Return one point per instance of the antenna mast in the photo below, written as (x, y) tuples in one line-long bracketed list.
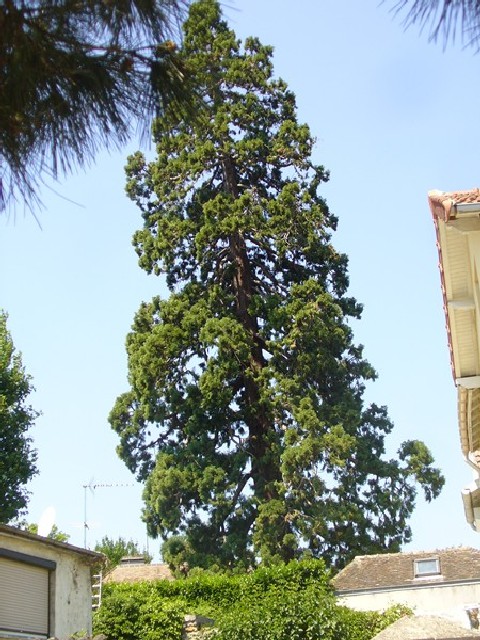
[(92, 486)]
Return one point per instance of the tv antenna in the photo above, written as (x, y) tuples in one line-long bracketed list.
[(92, 485)]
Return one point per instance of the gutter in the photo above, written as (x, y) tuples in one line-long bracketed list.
[(405, 587)]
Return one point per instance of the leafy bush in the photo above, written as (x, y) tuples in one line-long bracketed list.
[(282, 602), (363, 625), (281, 614), (161, 618)]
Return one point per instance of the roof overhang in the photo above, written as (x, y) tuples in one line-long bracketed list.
[(456, 216), (457, 222), (89, 557)]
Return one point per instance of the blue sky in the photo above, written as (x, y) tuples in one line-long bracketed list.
[(394, 116)]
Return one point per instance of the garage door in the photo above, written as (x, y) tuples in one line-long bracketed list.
[(23, 598)]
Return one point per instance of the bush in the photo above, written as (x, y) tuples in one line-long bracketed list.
[(282, 602), (281, 614), (363, 625)]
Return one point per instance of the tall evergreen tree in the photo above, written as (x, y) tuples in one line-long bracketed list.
[(245, 415), (17, 458), (75, 75)]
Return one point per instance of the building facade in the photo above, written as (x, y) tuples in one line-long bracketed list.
[(45, 586), (442, 583)]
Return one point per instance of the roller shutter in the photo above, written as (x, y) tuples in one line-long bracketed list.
[(23, 598)]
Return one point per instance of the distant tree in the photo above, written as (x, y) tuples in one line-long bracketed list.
[(117, 549), (178, 553), (75, 75), (444, 19), (54, 534), (17, 457), (245, 415)]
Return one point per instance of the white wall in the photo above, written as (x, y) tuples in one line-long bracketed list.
[(71, 601), (447, 601)]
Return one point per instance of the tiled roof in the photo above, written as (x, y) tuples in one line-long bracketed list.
[(442, 202), (397, 569), (425, 628), (139, 573)]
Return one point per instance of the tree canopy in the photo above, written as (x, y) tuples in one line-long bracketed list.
[(53, 534), (117, 549), (245, 415), (75, 76), (17, 456)]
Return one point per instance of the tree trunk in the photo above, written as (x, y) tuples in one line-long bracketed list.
[(265, 471)]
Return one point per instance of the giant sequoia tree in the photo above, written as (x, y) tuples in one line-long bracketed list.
[(245, 415)]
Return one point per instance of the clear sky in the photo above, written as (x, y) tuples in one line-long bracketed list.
[(394, 117)]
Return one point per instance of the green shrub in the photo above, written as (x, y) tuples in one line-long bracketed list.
[(282, 602), (161, 618), (281, 614), (363, 625), (119, 615)]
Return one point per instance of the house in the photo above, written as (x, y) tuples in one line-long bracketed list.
[(442, 583), (456, 216), (134, 569), (45, 586)]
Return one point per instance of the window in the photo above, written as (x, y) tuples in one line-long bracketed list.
[(426, 567), (24, 595)]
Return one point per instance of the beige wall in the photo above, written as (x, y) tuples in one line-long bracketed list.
[(71, 601), (442, 600)]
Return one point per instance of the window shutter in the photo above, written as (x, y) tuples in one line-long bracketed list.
[(23, 598)]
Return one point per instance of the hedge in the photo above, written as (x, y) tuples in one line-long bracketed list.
[(283, 602)]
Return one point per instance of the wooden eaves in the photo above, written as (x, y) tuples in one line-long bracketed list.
[(456, 217)]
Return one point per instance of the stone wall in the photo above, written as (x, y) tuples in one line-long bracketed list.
[(197, 628)]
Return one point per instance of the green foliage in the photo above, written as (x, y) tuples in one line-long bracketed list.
[(245, 415), (17, 457), (115, 550), (54, 534), (278, 603), (139, 612), (119, 615), (281, 615), (443, 19), (177, 553), (89, 69), (292, 601), (362, 625), (161, 618)]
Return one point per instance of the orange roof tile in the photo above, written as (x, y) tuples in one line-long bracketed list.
[(442, 202)]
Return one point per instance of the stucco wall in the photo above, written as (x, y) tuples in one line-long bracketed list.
[(449, 601), (71, 603)]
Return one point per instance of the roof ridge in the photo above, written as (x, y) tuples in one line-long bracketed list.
[(419, 552)]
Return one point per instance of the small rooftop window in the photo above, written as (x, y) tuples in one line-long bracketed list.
[(426, 567), (126, 560)]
